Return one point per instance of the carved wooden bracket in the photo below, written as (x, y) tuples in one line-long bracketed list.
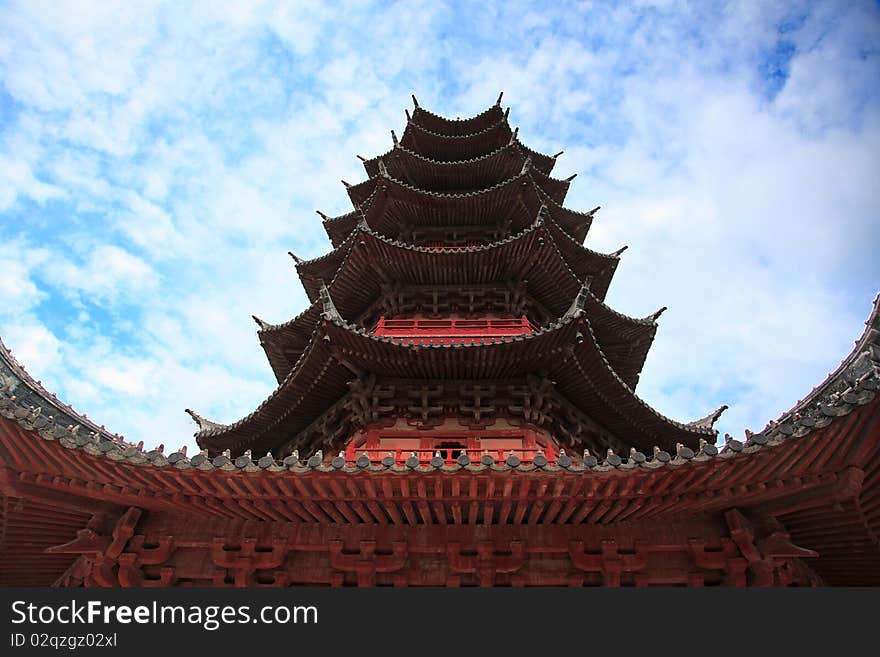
[(366, 562), (609, 561), (248, 557), (487, 562)]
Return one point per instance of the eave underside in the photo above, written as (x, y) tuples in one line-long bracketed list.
[(567, 350), (812, 484)]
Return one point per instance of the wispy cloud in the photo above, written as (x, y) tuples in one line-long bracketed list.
[(158, 160)]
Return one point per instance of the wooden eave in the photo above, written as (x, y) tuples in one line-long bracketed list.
[(15, 379), (796, 477), (567, 349), (285, 343), (340, 227), (395, 203), (540, 162), (529, 255), (589, 380), (456, 127), (314, 384), (392, 203), (455, 177), (499, 357), (465, 175), (447, 148), (624, 340)]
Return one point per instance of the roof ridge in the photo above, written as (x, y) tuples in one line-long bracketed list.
[(868, 343), (608, 256), (420, 109), (23, 376), (445, 195), (227, 428), (494, 126), (118, 453), (639, 400), (588, 214)]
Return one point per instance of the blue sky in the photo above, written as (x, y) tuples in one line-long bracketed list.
[(157, 162)]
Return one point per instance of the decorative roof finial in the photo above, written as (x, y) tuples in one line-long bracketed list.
[(263, 325), (617, 253), (498, 102), (323, 216), (656, 314), (415, 101), (295, 257), (329, 308), (204, 424), (394, 139), (577, 306), (708, 421)]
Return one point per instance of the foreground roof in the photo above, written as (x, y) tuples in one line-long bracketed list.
[(816, 468)]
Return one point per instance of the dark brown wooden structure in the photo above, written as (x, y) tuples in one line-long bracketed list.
[(456, 407)]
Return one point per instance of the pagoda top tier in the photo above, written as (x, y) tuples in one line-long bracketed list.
[(458, 229)]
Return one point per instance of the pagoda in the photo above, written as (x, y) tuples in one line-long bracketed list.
[(455, 407), (458, 315)]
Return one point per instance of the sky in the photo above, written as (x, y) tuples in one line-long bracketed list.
[(159, 160)]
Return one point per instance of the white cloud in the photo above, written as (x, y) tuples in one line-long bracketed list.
[(185, 148), (17, 179), (105, 273)]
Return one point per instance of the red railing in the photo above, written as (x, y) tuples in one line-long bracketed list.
[(448, 454), (448, 330)]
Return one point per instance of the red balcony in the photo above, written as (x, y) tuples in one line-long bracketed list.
[(449, 455), (499, 444), (451, 331)]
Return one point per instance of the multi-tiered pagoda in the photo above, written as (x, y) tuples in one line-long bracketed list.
[(457, 316), (456, 406)]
